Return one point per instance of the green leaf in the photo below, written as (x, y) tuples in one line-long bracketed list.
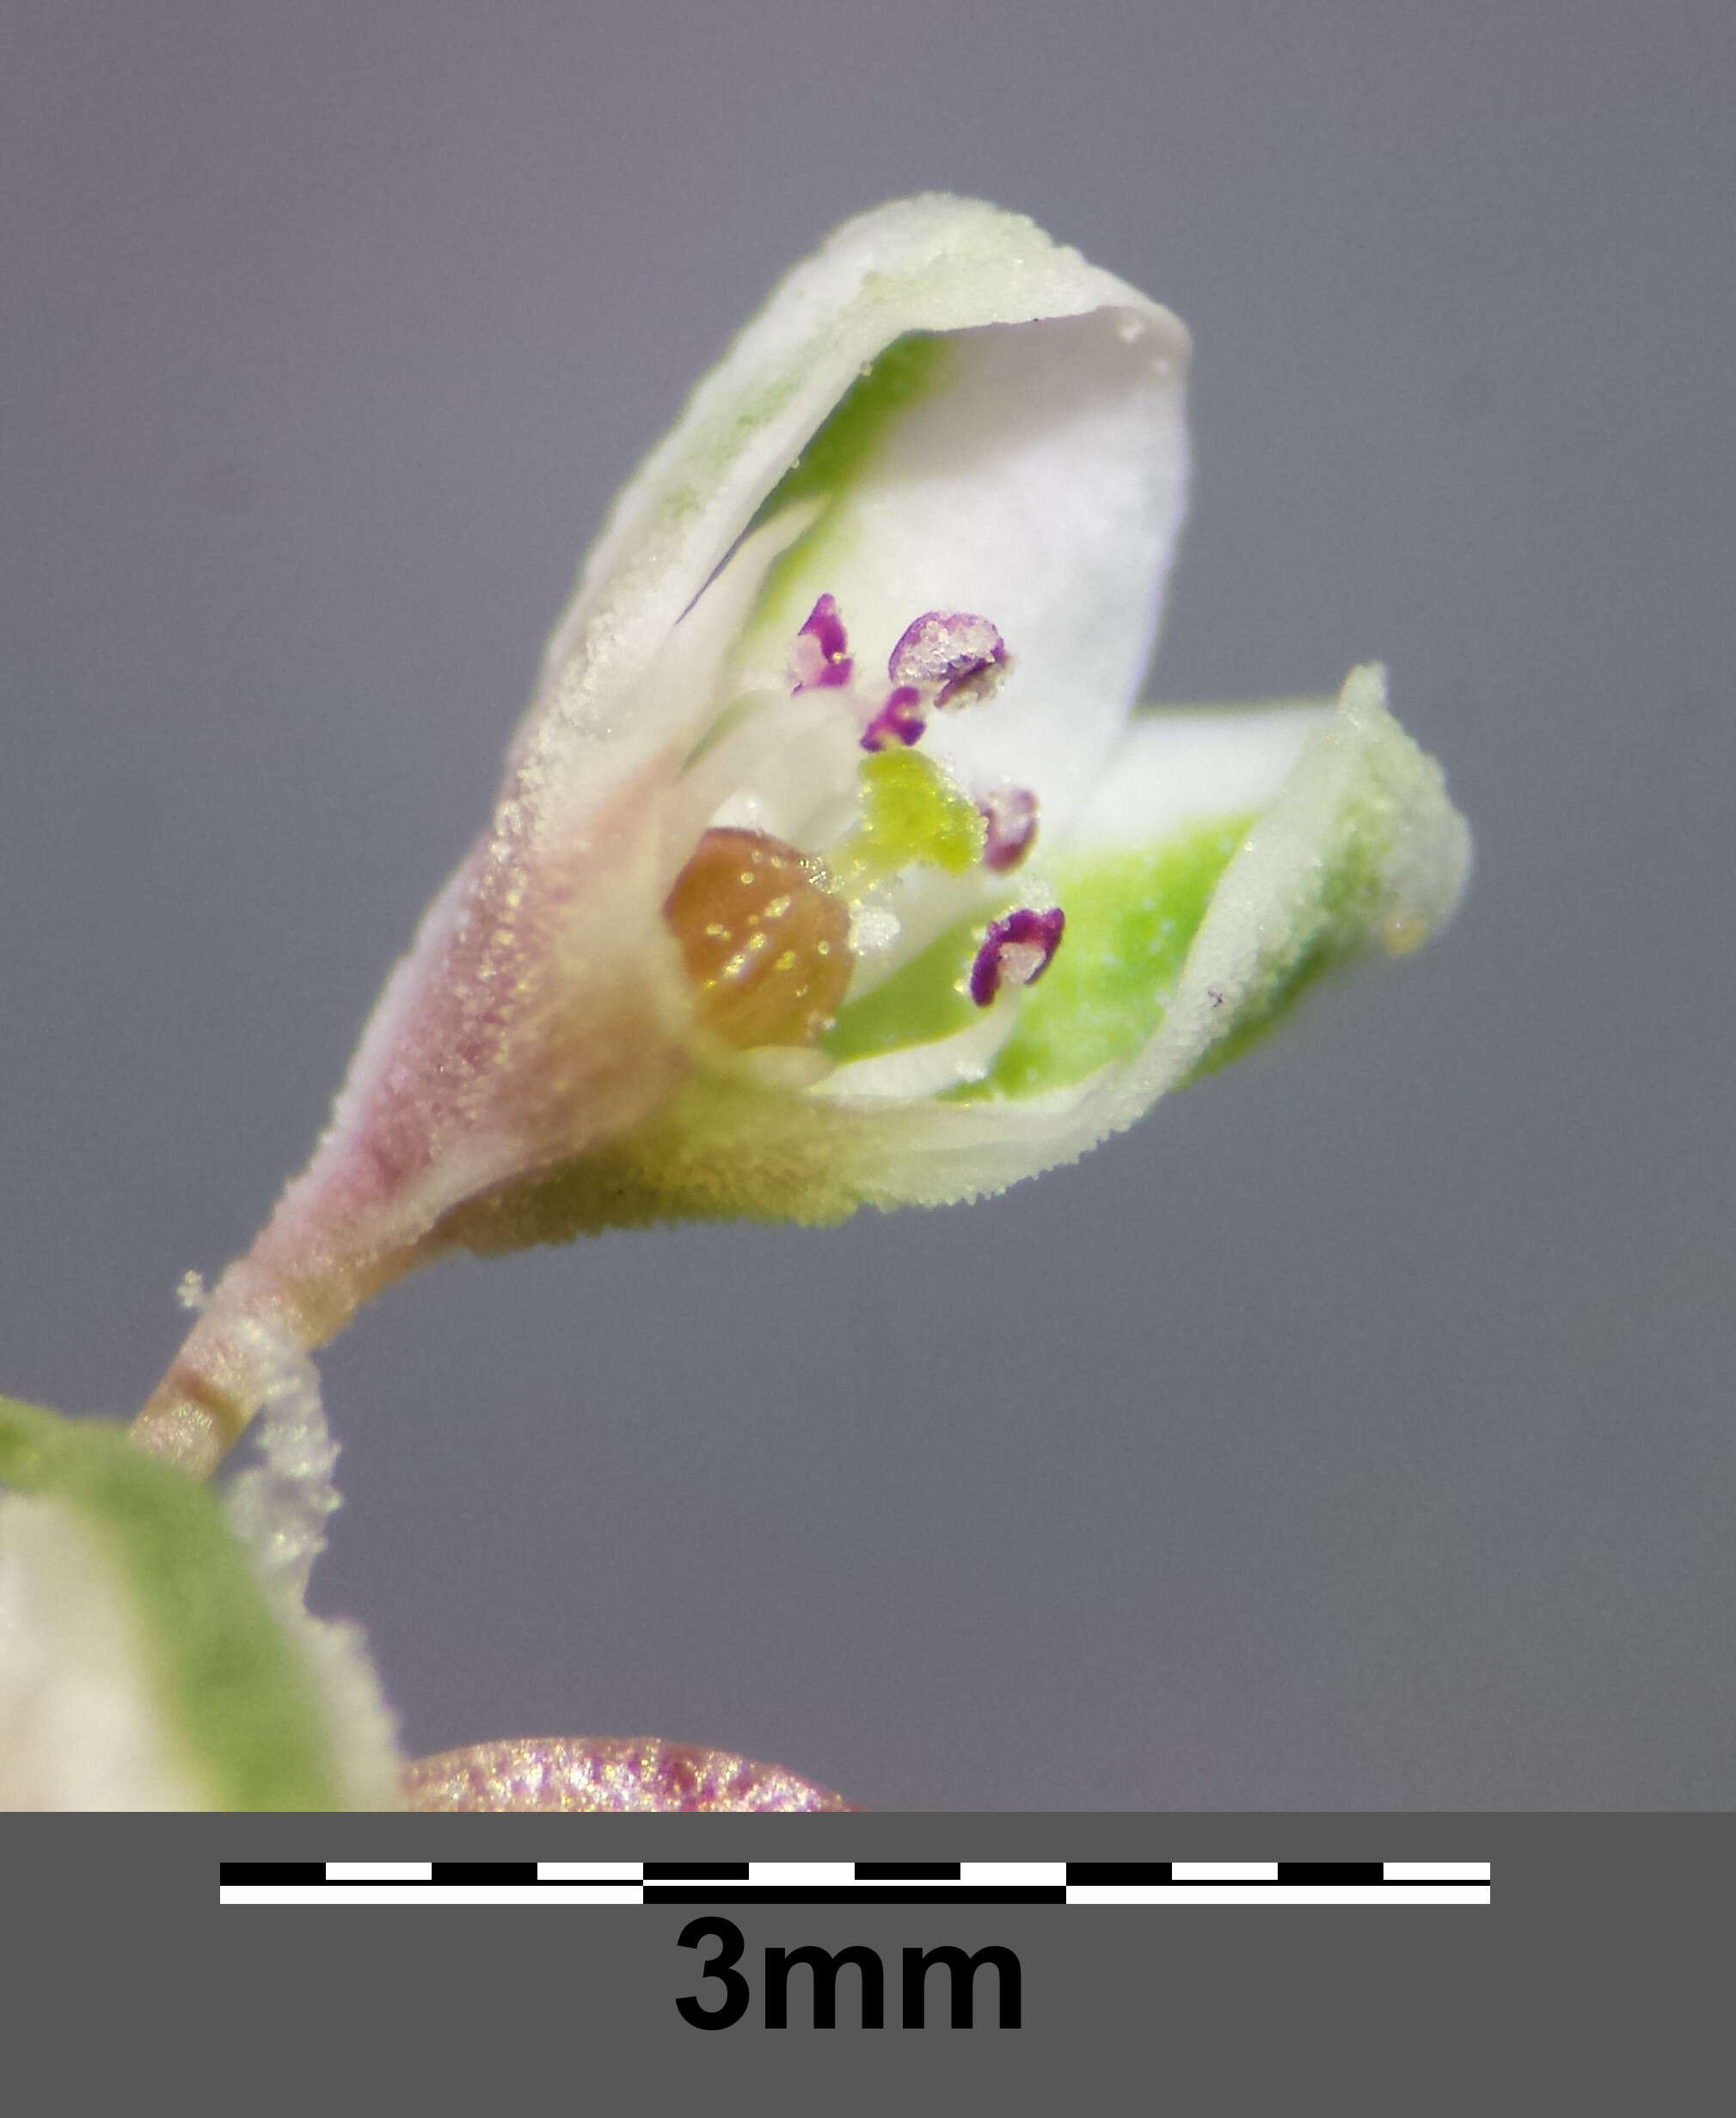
[(230, 1685)]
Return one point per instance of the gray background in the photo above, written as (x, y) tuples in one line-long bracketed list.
[(1357, 1433)]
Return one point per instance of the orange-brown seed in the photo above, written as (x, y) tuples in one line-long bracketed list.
[(766, 943)]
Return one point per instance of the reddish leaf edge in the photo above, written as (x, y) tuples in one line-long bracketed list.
[(544, 1772)]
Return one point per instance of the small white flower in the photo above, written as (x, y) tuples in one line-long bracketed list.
[(833, 864)]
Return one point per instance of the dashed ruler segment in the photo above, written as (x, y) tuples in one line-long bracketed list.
[(855, 1882)]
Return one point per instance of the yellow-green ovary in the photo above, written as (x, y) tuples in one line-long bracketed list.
[(913, 813)]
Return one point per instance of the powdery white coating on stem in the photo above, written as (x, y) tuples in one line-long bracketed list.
[(279, 1506)]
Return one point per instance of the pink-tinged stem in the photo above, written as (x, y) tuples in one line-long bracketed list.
[(231, 1358), (541, 1011)]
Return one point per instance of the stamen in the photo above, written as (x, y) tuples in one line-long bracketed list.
[(901, 720), (957, 656), (820, 659), (1010, 814), (765, 942), (1016, 951)]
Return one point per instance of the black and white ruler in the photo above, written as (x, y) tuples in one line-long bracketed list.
[(855, 1882)]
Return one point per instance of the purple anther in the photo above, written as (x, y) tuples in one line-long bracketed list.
[(957, 658), (1015, 951), (901, 720), (1010, 814), (820, 659)]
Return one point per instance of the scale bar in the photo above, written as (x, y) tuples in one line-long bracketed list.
[(854, 1882)]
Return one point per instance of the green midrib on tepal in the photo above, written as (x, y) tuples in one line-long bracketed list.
[(836, 457), (1342, 923), (841, 448), (229, 1684)]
